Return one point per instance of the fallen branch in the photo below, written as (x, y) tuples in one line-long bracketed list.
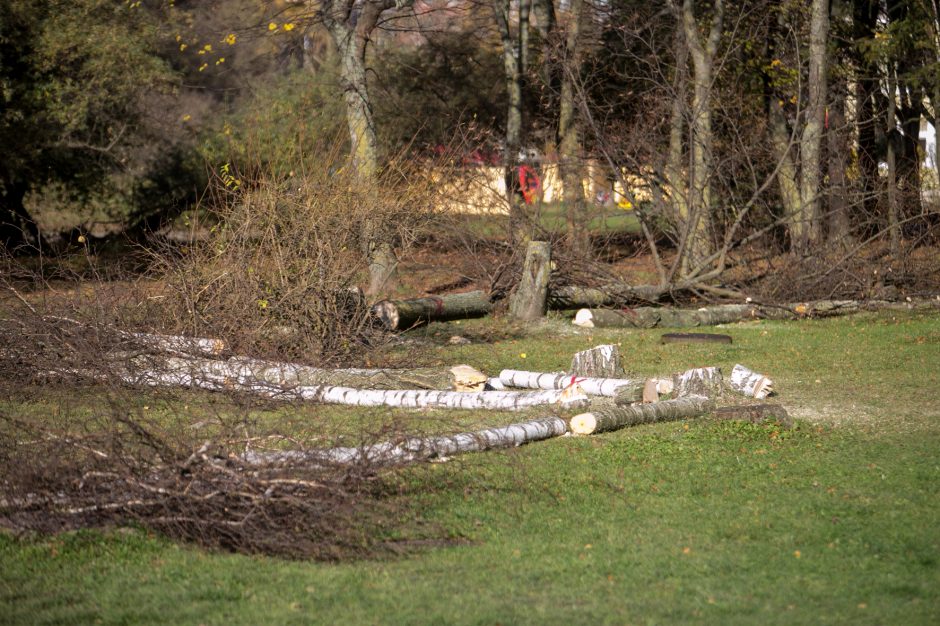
[(602, 420), (420, 448)]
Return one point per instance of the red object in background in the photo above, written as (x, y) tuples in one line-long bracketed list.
[(528, 183)]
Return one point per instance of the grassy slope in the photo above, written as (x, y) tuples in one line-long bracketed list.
[(835, 522)]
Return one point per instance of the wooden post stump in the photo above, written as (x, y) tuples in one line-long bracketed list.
[(530, 300)]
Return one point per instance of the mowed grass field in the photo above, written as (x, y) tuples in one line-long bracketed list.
[(836, 521)]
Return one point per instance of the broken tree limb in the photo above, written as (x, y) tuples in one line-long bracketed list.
[(750, 383), (239, 376), (598, 362), (662, 317), (403, 314), (602, 420), (421, 448), (529, 301)]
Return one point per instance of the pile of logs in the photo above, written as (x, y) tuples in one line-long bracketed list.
[(595, 382)]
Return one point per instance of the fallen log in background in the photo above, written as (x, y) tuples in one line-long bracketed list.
[(601, 420), (421, 448), (575, 297), (177, 344), (403, 314)]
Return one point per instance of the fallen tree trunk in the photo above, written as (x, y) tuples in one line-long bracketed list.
[(420, 448), (575, 297), (602, 420), (233, 377), (459, 377), (609, 387), (403, 314), (176, 344)]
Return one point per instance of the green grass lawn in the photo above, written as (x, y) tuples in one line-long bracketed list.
[(835, 521)]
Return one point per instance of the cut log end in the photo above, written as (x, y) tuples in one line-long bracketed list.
[(387, 313), (583, 424), (573, 396), (584, 318), (468, 378), (651, 391)]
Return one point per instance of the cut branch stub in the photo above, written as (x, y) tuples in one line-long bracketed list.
[(602, 420), (403, 314), (750, 383), (529, 302), (598, 362)]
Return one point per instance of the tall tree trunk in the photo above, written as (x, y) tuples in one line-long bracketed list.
[(678, 190), (17, 228), (569, 138), (891, 131), (840, 226), (811, 140), (697, 245), (350, 35), (515, 59), (867, 117)]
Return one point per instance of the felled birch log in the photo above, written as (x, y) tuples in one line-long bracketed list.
[(701, 381), (230, 377), (176, 344), (598, 362), (460, 377), (403, 314), (609, 387), (750, 383), (528, 302), (601, 420), (420, 448)]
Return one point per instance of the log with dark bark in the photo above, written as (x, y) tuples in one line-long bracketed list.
[(601, 420), (404, 314), (421, 448), (576, 297), (755, 413), (529, 301), (598, 362)]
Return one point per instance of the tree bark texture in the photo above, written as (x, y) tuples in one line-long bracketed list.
[(530, 300), (575, 297), (701, 381), (569, 136), (420, 448), (811, 139), (750, 383), (602, 420), (598, 362), (608, 387), (403, 314)]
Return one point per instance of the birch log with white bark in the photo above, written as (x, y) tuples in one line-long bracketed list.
[(177, 344), (420, 448), (601, 420), (460, 377), (750, 383), (701, 381), (598, 362), (235, 376), (609, 387)]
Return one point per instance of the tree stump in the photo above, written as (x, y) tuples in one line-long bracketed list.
[(530, 300), (750, 383), (701, 381), (598, 362)]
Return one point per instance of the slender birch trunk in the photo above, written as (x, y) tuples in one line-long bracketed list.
[(811, 140), (569, 137)]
